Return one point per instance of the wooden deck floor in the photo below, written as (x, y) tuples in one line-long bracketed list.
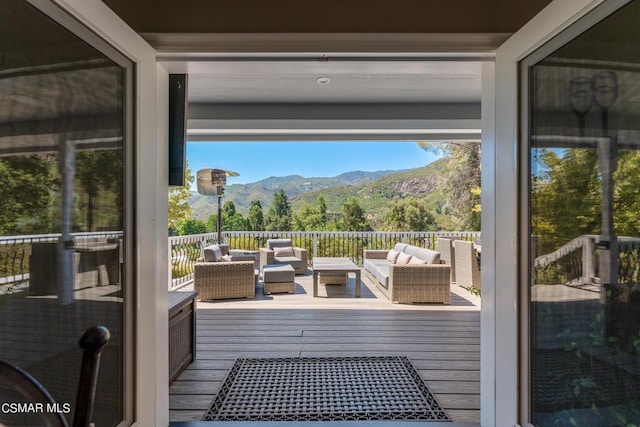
[(443, 341)]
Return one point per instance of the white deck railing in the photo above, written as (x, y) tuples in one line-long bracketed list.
[(15, 252), (576, 262)]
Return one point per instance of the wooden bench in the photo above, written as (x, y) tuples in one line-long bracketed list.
[(182, 331)]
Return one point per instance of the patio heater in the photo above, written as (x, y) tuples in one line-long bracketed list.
[(605, 84), (211, 182), (581, 97), (601, 88)]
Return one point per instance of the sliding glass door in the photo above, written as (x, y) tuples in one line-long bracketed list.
[(581, 224), (65, 230)]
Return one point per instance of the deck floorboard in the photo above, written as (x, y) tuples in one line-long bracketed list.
[(442, 341)]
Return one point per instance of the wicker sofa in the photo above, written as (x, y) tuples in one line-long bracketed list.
[(295, 257), (414, 276), (218, 276)]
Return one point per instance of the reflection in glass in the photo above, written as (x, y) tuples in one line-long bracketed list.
[(62, 171), (605, 85), (585, 230), (581, 97), (581, 94)]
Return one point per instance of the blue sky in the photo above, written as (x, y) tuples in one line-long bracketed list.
[(258, 160)]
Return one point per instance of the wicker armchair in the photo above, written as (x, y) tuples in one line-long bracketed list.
[(224, 279), (467, 268), (447, 255), (299, 260)]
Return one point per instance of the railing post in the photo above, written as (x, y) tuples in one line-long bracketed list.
[(170, 266), (588, 263), (315, 245)]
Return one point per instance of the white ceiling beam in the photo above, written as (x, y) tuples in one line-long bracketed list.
[(480, 46), (335, 110)]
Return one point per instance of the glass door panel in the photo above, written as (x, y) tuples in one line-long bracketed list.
[(62, 215), (584, 227)]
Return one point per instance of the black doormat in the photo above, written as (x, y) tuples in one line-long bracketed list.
[(324, 389), (568, 380)]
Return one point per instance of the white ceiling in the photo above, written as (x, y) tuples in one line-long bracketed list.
[(291, 81)]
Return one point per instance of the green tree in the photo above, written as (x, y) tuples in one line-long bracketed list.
[(234, 223), (255, 219), (212, 223), (307, 219), (231, 219), (409, 215), (228, 209), (99, 173), (312, 218), (28, 203), (321, 208), (353, 216), (627, 194), (461, 181), (191, 226), (565, 197), (279, 216), (179, 207)]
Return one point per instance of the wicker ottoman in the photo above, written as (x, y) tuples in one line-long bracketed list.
[(278, 278)]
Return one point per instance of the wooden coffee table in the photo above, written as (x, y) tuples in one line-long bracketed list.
[(334, 266)]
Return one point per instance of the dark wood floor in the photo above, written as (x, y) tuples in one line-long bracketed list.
[(443, 341)]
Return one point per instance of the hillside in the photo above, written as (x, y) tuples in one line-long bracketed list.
[(375, 196), (373, 190), (292, 185)]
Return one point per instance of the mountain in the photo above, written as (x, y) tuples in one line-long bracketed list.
[(292, 185), (374, 196)]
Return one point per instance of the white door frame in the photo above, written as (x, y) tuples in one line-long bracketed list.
[(506, 399)]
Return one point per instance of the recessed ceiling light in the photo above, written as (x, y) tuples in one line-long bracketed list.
[(323, 80)]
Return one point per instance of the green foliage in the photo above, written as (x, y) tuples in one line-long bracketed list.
[(183, 257), (626, 196), (409, 214), (460, 181), (313, 218), (179, 207), (212, 223), (473, 290), (279, 216), (99, 175), (228, 209), (255, 219), (375, 196), (565, 197), (235, 222), (31, 192), (232, 220), (353, 217), (191, 226), (28, 194)]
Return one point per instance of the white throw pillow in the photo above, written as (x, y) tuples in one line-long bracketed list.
[(403, 258), (283, 251), (416, 260), (392, 256)]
